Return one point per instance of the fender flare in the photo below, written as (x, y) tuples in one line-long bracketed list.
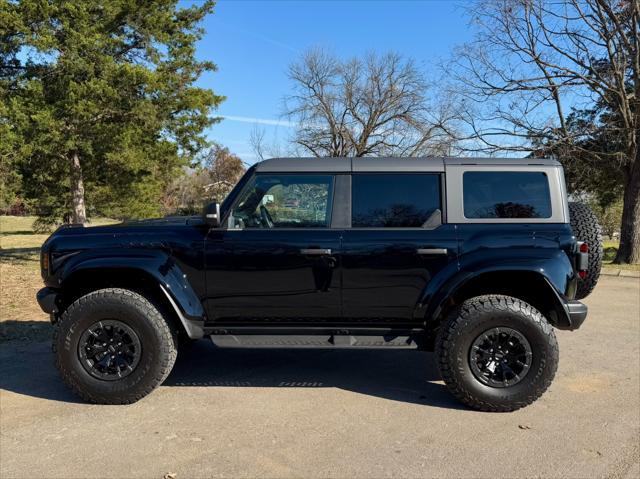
[(159, 266), (554, 268)]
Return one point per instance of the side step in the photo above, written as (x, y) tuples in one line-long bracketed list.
[(340, 341)]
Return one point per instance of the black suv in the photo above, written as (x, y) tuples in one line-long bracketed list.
[(475, 259)]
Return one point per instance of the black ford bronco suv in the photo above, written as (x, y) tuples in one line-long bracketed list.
[(477, 260)]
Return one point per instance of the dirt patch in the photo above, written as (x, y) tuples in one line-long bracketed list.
[(585, 384)]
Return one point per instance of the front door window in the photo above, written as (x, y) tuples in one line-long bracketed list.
[(285, 201)]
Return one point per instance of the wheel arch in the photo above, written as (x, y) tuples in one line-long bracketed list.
[(530, 286), (166, 286)]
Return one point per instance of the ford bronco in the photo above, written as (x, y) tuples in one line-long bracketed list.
[(476, 259)]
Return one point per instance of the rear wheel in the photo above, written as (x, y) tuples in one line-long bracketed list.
[(584, 224), (497, 353), (113, 346)]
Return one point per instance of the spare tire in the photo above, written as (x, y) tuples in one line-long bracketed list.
[(586, 228)]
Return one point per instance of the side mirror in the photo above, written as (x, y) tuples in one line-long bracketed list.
[(211, 214)]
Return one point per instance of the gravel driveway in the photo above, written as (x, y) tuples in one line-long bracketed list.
[(277, 413)]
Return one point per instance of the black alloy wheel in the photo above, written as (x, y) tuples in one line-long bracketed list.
[(109, 350), (500, 357)]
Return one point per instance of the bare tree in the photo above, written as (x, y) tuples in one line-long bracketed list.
[(263, 149), (376, 106), (558, 77), (256, 140)]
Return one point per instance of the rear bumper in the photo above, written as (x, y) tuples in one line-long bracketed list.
[(574, 315), (577, 312), (47, 300)]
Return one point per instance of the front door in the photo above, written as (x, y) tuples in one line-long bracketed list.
[(395, 246), (284, 255)]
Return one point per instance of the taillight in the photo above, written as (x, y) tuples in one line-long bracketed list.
[(582, 259)]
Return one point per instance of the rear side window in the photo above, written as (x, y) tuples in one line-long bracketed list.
[(395, 200), (507, 194)]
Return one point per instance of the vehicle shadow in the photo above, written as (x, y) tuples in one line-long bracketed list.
[(11, 329), (400, 375), (408, 376)]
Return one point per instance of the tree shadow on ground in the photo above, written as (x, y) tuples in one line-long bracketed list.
[(23, 232), (401, 375), (19, 254)]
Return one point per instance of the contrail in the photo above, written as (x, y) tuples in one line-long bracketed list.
[(259, 121)]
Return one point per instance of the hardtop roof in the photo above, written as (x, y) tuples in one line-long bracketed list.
[(390, 164)]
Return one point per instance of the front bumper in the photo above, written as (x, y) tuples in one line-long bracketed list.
[(47, 300)]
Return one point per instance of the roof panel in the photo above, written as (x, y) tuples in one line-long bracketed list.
[(501, 161), (398, 165), (426, 164), (303, 165)]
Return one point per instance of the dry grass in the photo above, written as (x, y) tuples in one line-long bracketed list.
[(20, 315)]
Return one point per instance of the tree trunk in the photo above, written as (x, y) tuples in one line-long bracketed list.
[(77, 190), (629, 251)]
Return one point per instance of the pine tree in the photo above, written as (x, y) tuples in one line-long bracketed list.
[(101, 95)]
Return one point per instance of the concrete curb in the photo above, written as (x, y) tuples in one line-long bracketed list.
[(620, 272)]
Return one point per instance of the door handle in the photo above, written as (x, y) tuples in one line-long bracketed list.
[(315, 251), (431, 251)]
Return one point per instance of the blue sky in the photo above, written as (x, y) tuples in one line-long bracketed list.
[(253, 42)]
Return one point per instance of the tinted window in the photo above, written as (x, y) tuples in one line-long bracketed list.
[(506, 195), (395, 200), (285, 201)]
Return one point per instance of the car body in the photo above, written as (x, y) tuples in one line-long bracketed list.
[(339, 252)]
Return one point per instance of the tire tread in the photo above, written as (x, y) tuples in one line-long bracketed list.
[(167, 355), (584, 224), (461, 318)]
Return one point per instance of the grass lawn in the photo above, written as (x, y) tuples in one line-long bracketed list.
[(20, 315), (610, 250)]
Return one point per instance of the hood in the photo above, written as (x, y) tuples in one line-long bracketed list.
[(137, 226)]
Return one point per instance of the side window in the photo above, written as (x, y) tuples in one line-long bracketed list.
[(395, 200), (285, 201), (507, 194)]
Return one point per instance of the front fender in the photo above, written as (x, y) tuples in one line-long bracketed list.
[(156, 264)]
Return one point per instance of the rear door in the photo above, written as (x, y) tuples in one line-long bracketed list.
[(284, 265), (396, 244)]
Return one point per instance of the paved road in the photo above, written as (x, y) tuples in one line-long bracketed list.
[(335, 414)]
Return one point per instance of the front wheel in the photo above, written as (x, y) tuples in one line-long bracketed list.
[(497, 353), (113, 346)]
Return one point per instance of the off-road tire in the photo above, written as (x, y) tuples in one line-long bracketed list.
[(584, 224), (158, 345), (478, 315)]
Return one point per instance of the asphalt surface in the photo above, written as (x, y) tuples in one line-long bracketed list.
[(277, 413)]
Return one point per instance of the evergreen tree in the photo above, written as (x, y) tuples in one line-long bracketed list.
[(101, 95)]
